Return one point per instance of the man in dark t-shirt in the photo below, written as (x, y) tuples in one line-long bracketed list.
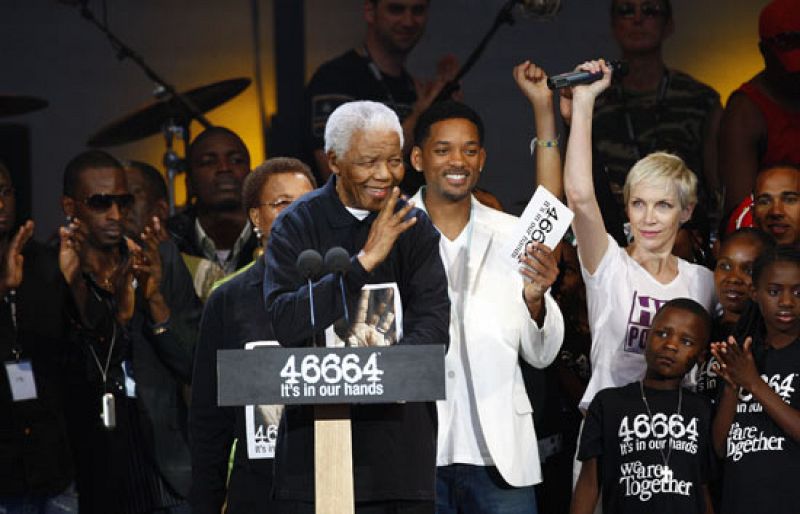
[(652, 107), (374, 70), (648, 444)]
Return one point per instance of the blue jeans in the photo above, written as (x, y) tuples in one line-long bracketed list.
[(63, 503), (466, 489)]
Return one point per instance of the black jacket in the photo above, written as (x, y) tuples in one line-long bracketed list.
[(234, 315), (394, 445), (35, 456), (182, 229), (153, 427)]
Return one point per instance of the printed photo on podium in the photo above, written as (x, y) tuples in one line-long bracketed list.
[(376, 320)]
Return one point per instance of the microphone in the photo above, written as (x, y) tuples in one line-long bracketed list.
[(574, 78), (309, 264), (540, 8), (337, 260)]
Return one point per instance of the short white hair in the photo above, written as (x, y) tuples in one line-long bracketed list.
[(663, 168), (351, 117)]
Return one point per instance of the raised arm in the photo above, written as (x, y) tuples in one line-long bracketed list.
[(578, 186), (711, 155), (532, 81), (740, 133)]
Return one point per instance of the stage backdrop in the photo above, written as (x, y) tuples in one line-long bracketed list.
[(48, 50)]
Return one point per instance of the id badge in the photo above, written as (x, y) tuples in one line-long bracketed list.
[(20, 378), (130, 382)]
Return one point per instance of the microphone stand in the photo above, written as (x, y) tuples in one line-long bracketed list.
[(164, 90), (504, 16)]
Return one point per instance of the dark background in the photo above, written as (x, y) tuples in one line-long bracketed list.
[(48, 50)]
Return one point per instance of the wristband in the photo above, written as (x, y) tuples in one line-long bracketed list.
[(543, 143)]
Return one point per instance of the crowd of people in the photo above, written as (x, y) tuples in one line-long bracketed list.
[(665, 323)]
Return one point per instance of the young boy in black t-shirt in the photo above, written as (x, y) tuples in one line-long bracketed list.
[(647, 445)]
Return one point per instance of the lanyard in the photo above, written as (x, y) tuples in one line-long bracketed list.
[(663, 87), (104, 370), (11, 300), (376, 72)]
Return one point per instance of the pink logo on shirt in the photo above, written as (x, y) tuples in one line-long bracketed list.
[(643, 310)]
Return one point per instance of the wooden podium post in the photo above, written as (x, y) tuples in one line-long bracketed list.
[(333, 460), (331, 379)]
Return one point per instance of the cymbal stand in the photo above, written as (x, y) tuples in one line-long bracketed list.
[(504, 16), (165, 92), (124, 51), (173, 163)]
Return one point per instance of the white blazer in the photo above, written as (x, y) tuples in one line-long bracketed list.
[(497, 329)]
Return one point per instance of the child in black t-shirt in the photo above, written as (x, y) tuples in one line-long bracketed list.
[(647, 445), (757, 426), (733, 282)]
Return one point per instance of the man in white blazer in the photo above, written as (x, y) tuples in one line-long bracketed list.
[(487, 458)]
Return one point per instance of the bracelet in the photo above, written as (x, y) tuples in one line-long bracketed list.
[(160, 328), (544, 143)]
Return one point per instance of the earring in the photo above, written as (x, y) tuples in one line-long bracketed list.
[(259, 235)]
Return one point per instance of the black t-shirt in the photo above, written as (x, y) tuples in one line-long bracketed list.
[(630, 448), (707, 380), (762, 463), (350, 77)]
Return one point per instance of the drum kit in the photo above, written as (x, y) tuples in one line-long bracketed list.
[(170, 114)]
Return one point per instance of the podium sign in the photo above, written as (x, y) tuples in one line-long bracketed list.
[(331, 375)]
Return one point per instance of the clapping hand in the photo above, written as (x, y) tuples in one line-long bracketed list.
[(11, 273), (735, 363), (147, 266), (72, 237)]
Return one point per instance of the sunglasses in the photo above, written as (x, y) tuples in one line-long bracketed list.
[(628, 10), (784, 41), (103, 202)]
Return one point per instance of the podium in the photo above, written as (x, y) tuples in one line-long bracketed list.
[(331, 379)]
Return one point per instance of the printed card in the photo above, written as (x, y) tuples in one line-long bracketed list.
[(20, 378), (545, 220), (261, 421)]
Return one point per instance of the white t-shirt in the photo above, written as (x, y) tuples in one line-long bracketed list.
[(461, 442), (360, 214), (622, 299)]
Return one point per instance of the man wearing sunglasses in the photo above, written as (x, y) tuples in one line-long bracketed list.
[(761, 125), (131, 347), (653, 107)]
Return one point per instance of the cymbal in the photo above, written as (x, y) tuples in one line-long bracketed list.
[(12, 105), (149, 120)]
